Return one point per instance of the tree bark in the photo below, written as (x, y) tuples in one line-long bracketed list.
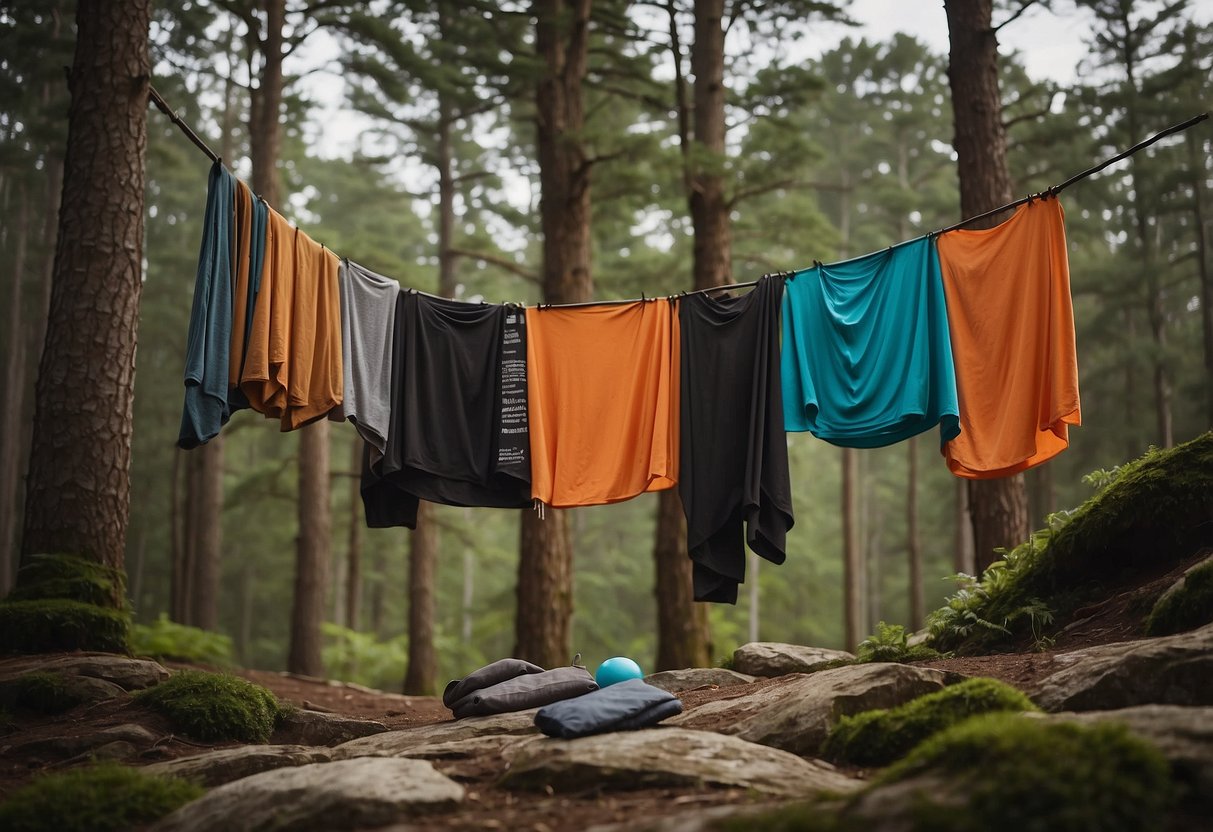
[(962, 544), (913, 544), (545, 569), (206, 534), (14, 394), (683, 630), (852, 551), (1197, 163), (78, 497), (422, 674), (682, 625), (265, 134), (353, 572), (312, 552), (999, 507)]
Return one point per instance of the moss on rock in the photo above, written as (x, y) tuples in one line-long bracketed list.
[(214, 706), (1186, 606), (50, 625), (98, 798), (1014, 772), (40, 691), (1155, 510), (880, 737)]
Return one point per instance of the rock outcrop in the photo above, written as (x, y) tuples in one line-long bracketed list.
[(772, 658)]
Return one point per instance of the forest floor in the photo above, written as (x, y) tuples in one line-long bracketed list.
[(1118, 617)]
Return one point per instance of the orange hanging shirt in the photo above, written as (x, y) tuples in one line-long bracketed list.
[(314, 386), (603, 389), (1012, 324), (266, 364)]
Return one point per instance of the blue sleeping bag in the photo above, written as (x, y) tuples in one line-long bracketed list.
[(624, 706)]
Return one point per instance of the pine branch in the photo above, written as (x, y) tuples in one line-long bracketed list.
[(496, 260)]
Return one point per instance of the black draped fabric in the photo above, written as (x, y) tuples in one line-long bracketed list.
[(458, 429), (734, 458)]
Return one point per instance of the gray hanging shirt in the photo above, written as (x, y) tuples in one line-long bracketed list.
[(368, 310)]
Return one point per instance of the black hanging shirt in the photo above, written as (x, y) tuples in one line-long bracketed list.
[(458, 428), (734, 455)]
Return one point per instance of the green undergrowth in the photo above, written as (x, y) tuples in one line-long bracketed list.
[(1154, 511), (99, 798), (40, 691), (64, 602), (890, 643), (213, 707), (1188, 607), (880, 737), (164, 639), (1015, 771)]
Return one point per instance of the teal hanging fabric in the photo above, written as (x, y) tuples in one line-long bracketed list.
[(867, 359), (208, 343)]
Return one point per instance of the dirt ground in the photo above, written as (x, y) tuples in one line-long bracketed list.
[(1116, 618)]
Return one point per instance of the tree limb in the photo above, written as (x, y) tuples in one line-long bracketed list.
[(496, 260)]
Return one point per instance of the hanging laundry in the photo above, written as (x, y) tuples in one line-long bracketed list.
[(293, 365), (604, 394), (455, 436), (734, 479), (368, 313), (1012, 323), (209, 340), (316, 384), (866, 356), (266, 364), (251, 216)]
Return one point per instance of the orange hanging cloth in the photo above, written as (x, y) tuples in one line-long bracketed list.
[(315, 383), (266, 364), (603, 388), (1012, 323)]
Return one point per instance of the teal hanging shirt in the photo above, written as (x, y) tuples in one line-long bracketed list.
[(208, 344), (867, 359)]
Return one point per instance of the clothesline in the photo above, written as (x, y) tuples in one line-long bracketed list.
[(162, 105)]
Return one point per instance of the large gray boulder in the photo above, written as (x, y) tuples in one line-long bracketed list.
[(214, 768), (1183, 735), (302, 727), (1174, 670), (394, 743), (352, 794), (773, 658), (666, 758), (696, 677), (126, 673), (797, 715)]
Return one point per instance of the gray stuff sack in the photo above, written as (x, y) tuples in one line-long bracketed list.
[(624, 706), (487, 676), (528, 690)]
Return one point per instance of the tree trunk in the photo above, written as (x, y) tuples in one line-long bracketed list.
[(206, 534), (852, 551), (962, 545), (913, 545), (265, 135), (682, 625), (14, 395), (207, 502), (469, 597), (545, 564), (378, 591), (312, 552), (1196, 161), (79, 470), (999, 507), (181, 572), (422, 674), (683, 631), (353, 572), (244, 635)]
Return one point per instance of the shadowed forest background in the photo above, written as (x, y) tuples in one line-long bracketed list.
[(821, 159)]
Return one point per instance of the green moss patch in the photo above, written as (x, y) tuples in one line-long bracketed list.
[(1017, 772), (1152, 512), (1188, 606), (890, 643), (99, 798), (42, 692), (70, 577), (880, 737), (56, 624), (214, 706)]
